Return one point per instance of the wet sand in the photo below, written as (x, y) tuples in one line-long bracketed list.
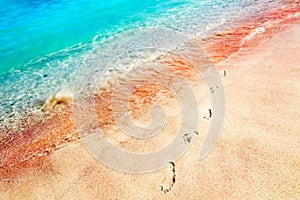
[(256, 157)]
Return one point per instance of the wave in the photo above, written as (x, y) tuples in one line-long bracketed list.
[(63, 96)]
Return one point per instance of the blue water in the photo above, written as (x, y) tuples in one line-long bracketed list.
[(43, 43)]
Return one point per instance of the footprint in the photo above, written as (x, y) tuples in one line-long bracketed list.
[(170, 178), (223, 74), (208, 115), (188, 137), (212, 89)]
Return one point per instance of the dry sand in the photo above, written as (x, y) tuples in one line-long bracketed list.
[(257, 155)]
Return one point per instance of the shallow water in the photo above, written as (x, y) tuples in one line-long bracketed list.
[(43, 44)]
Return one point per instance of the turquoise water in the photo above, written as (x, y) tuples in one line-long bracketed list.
[(33, 29), (43, 43)]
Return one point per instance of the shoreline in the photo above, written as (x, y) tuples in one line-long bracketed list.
[(257, 155), (63, 132), (217, 48)]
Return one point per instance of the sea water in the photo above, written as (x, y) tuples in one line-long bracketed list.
[(44, 43)]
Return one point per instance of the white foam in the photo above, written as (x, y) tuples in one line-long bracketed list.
[(64, 96)]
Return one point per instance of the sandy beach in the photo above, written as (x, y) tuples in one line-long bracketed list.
[(257, 155)]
